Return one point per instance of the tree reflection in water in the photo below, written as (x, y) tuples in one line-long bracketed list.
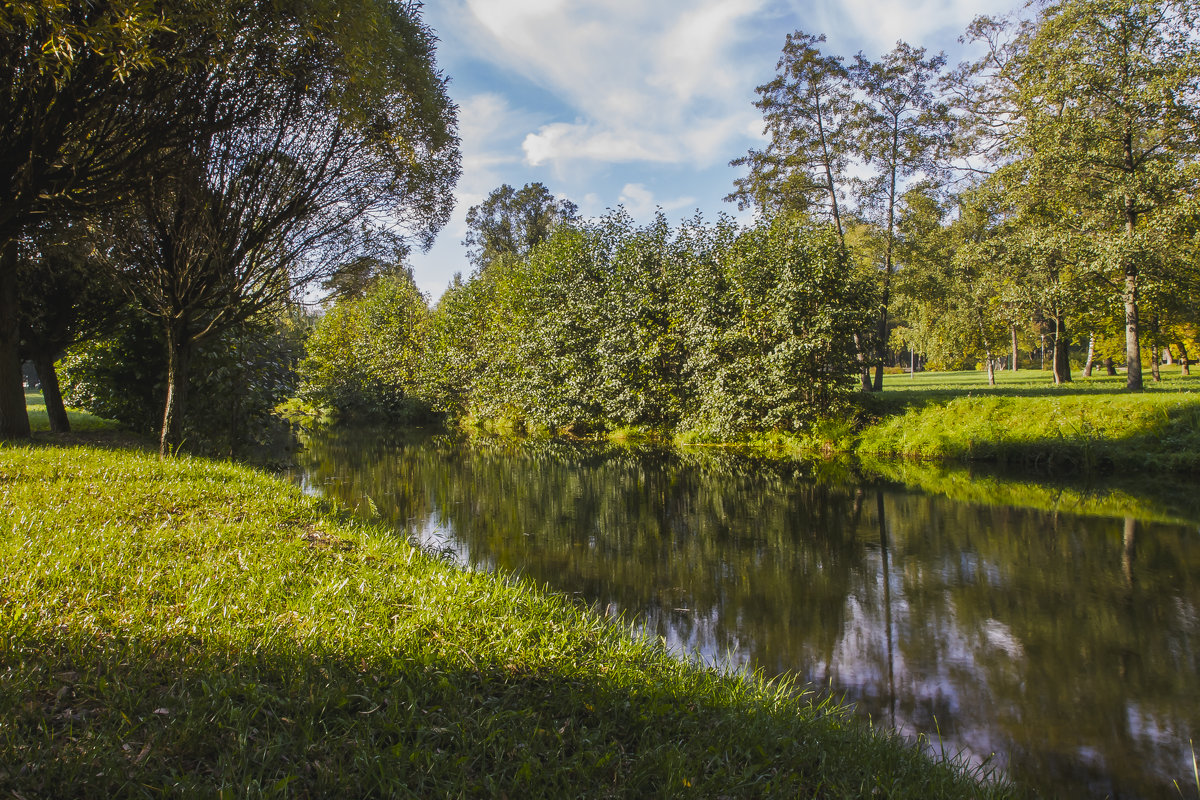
[(1050, 640)]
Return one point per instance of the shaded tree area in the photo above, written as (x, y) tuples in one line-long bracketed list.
[(61, 305), (322, 131)]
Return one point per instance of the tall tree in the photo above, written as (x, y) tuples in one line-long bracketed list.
[(243, 219), (95, 95), (513, 221), (806, 109), (900, 129)]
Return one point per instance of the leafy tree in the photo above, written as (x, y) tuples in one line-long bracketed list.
[(900, 130), (364, 358), (514, 221), (95, 96), (1093, 108), (806, 109), (785, 356), (61, 304), (240, 221)]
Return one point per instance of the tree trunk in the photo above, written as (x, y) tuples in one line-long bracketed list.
[(1155, 349), (1168, 356), (48, 377), (881, 351), (888, 264), (1062, 345), (14, 418), (1091, 356), (179, 357), (864, 370), (1015, 362), (1184, 363), (1109, 367), (1133, 351)]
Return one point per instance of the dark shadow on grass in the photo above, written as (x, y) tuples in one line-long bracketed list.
[(103, 715)]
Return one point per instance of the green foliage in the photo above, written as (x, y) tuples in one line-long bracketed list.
[(239, 377), (613, 325), (782, 354), (364, 356), (511, 222)]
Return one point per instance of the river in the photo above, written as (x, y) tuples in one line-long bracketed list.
[(1061, 648)]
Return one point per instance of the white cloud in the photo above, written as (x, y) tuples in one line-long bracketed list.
[(640, 203), (876, 25), (646, 82)]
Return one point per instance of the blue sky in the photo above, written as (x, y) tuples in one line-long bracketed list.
[(640, 103)]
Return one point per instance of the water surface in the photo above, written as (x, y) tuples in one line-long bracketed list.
[(1062, 647)]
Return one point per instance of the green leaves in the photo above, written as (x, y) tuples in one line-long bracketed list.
[(612, 325), (364, 356)]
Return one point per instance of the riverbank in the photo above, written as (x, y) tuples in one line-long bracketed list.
[(1091, 424), (192, 627)]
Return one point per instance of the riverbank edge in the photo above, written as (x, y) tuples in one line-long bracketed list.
[(1050, 436), (188, 625)]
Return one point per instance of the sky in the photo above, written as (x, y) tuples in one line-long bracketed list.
[(640, 103)]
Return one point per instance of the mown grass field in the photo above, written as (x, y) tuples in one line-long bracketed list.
[(1088, 424), (187, 627)]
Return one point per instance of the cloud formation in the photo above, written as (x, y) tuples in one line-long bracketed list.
[(654, 82)]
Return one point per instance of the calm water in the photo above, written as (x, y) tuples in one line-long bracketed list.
[(1067, 646)]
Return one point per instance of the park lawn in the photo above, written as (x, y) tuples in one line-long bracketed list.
[(1089, 424), (81, 421), (197, 628)]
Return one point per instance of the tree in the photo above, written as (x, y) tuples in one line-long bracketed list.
[(806, 110), (61, 305), (95, 96), (1095, 105), (513, 221), (900, 131), (243, 219), (364, 356)]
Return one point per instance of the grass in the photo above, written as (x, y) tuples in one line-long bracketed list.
[(1090, 424), (196, 628)]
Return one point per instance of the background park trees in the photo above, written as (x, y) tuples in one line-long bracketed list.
[(1076, 129), (1037, 198)]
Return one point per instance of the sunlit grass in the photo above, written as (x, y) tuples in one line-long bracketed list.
[(81, 421), (188, 627), (1087, 424)]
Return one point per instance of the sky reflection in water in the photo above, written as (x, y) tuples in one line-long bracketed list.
[(1064, 644)]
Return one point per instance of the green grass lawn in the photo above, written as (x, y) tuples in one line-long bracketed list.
[(186, 627), (81, 421), (1090, 423)]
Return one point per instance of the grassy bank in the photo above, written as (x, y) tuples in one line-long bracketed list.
[(1089, 424), (197, 628)]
